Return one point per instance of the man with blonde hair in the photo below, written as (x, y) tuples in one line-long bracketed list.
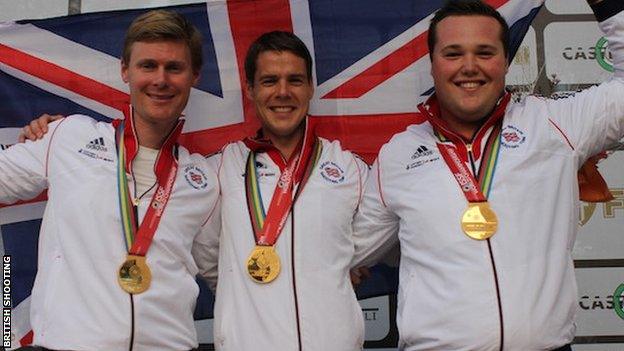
[(115, 270)]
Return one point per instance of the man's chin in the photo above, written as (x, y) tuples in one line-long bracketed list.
[(163, 118)]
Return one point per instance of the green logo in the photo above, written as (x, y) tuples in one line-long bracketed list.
[(601, 50), (617, 301)]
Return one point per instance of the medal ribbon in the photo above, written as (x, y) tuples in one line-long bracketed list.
[(139, 238), (474, 190), (456, 154), (268, 226)]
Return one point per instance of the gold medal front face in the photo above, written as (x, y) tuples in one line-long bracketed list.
[(479, 221), (263, 264), (134, 275)]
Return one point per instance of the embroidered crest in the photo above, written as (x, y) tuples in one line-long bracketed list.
[(332, 172)]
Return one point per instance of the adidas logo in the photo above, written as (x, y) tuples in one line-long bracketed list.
[(4, 147), (421, 152), (97, 145)]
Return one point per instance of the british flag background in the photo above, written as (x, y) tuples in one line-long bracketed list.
[(371, 68)]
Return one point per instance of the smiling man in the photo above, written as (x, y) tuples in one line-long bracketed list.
[(288, 198), (482, 196), (115, 270)]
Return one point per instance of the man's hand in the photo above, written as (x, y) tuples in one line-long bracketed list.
[(37, 128), (358, 275)]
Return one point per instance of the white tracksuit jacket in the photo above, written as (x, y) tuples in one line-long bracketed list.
[(77, 303), (450, 285), (311, 306)]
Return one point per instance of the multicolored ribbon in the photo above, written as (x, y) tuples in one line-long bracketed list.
[(138, 238), (267, 226)]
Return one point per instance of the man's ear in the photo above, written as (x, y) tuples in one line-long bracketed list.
[(249, 91), (508, 61), (124, 72), (196, 77), (312, 88)]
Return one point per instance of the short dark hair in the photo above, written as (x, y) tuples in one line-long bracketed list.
[(160, 25), (467, 8), (276, 41)]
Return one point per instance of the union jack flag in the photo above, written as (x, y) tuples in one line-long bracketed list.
[(371, 70)]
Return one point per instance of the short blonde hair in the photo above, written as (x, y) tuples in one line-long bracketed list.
[(162, 25)]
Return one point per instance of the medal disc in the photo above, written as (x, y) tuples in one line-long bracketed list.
[(134, 275), (479, 221), (263, 264)]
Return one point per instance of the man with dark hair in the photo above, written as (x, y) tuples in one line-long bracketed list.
[(286, 237), (468, 8), (482, 196), (115, 270), (276, 41)]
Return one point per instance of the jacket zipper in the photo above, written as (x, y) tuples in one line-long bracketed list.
[(131, 346), (135, 208), (498, 297), (294, 278)]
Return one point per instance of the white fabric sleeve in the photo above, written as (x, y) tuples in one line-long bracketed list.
[(375, 226), (205, 248), (23, 168), (593, 120)]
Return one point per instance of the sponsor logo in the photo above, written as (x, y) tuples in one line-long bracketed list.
[(97, 145), (262, 170), (609, 209), (603, 55), (96, 149), (587, 210), (587, 53), (370, 314), (195, 177), (332, 172), (4, 147), (259, 171), (422, 151), (618, 301), (597, 302), (422, 156), (512, 137)]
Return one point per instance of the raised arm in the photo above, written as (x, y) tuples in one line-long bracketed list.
[(593, 120)]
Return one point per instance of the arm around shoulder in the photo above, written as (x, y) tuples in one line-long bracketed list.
[(375, 226), (205, 248), (24, 167)]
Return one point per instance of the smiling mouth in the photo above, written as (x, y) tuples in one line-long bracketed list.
[(282, 109), (472, 85), (160, 97)]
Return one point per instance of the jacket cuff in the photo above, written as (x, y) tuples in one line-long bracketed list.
[(607, 9)]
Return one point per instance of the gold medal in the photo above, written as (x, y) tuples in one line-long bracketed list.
[(479, 221), (263, 264), (134, 275)]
